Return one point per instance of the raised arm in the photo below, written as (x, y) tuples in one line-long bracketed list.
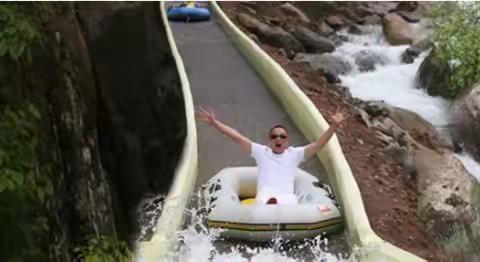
[(316, 146), (208, 116)]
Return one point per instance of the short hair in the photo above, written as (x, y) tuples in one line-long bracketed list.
[(277, 126)]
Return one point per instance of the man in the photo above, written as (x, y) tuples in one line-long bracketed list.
[(277, 161)]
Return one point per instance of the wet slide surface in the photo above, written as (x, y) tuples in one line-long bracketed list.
[(221, 78)]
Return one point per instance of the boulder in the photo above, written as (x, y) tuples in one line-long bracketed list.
[(339, 39), (411, 11), (249, 4), (410, 54), (370, 20), (421, 130), (376, 108), (251, 10), (381, 8), (448, 193), (397, 31), (274, 36), (433, 76), (325, 30), (349, 13), (331, 78), (412, 17), (408, 6), (362, 11), (250, 22), (367, 60), (313, 42), (328, 63), (354, 30), (466, 120), (290, 9), (423, 43), (335, 21)]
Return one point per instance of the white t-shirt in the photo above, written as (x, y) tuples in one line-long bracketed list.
[(276, 172)]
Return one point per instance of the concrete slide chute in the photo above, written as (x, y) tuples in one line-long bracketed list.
[(221, 67)]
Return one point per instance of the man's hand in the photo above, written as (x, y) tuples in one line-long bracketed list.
[(207, 116), (336, 120)]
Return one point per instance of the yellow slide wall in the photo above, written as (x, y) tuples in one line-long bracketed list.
[(161, 246)]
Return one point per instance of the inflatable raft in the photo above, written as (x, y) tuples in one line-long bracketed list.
[(188, 13), (232, 191)]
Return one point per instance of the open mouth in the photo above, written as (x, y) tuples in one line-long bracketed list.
[(278, 146)]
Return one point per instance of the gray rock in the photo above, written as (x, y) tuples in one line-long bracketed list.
[(324, 29), (407, 6), (410, 11), (421, 130), (362, 11), (274, 36), (313, 42), (397, 31), (331, 78), (423, 43), (355, 30), (335, 22), (339, 39), (412, 17), (448, 196), (371, 20), (410, 54), (292, 10), (349, 13), (433, 76), (328, 63), (466, 117), (251, 23), (381, 8), (367, 60), (376, 108)]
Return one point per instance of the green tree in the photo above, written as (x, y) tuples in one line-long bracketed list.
[(18, 32), (104, 249), (24, 185), (456, 37)]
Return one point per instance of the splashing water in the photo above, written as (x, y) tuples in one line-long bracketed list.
[(148, 213), (394, 82), (197, 242)]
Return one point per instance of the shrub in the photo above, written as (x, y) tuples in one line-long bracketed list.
[(24, 185), (104, 249), (17, 31), (456, 36)]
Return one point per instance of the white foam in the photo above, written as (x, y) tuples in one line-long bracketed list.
[(394, 83), (199, 243), (470, 164)]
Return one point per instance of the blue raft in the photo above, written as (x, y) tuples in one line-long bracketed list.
[(188, 14)]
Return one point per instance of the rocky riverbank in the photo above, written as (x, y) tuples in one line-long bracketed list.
[(414, 188)]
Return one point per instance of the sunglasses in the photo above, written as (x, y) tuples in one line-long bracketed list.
[(274, 136)]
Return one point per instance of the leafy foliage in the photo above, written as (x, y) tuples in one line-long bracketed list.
[(456, 36), (20, 170), (17, 31), (104, 249), (24, 185)]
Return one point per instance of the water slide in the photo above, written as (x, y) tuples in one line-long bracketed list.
[(220, 67)]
